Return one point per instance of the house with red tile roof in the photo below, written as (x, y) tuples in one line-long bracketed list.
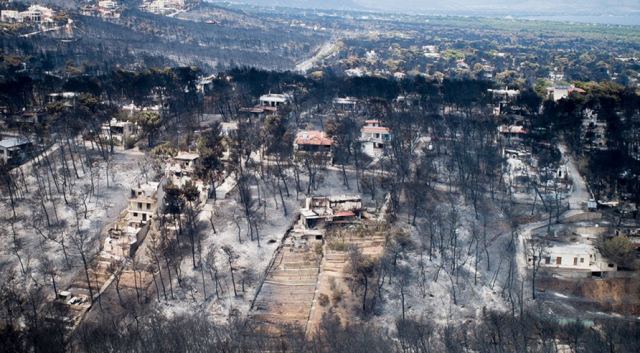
[(313, 142)]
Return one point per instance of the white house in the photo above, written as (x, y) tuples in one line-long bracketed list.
[(275, 100), (143, 203), (374, 138), (108, 4), (37, 14), (119, 131), (562, 92), (579, 257), (10, 16), (227, 128), (164, 6), (184, 164), (346, 103), (108, 9), (14, 149)]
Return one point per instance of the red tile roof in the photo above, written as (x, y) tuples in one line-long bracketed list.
[(376, 129), (313, 138), (345, 214)]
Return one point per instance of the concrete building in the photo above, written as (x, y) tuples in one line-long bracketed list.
[(374, 138), (10, 16), (34, 14), (14, 150), (345, 104), (143, 204), (37, 14), (119, 131), (132, 109), (108, 9), (184, 165), (318, 211), (562, 92), (580, 257), (512, 131), (162, 7), (275, 100)]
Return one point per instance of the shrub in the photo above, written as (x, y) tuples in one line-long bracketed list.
[(323, 299)]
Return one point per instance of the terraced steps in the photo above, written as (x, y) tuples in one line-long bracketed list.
[(288, 291)]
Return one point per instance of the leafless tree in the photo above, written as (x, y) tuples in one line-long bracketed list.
[(115, 270), (537, 249), (80, 241), (231, 258)]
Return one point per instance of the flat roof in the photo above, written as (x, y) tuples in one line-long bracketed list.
[(187, 156), (275, 97), (13, 142)]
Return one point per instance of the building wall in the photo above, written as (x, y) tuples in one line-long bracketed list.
[(586, 262), (141, 210)]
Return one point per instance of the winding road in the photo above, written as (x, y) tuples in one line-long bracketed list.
[(327, 49)]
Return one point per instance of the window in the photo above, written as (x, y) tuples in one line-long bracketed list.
[(135, 214), (547, 260), (575, 261), (582, 260), (139, 205), (148, 206), (559, 260), (611, 265)]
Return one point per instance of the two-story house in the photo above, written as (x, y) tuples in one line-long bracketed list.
[(143, 203), (374, 138)]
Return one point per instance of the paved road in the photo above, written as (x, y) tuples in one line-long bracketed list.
[(326, 49), (579, 192)]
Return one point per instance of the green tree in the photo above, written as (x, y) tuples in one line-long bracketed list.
[(174, 202), (619, 250), (150, 123), (210, 149)]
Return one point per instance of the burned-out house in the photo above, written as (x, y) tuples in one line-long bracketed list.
[(319, 211), (119, 132), (143, 203), (14, 150)]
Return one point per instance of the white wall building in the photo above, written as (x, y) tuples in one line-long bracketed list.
[(13, 149), (580, 257), (143, 203), (275, 100), (374, 138), (119, 131), (10, 16)]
